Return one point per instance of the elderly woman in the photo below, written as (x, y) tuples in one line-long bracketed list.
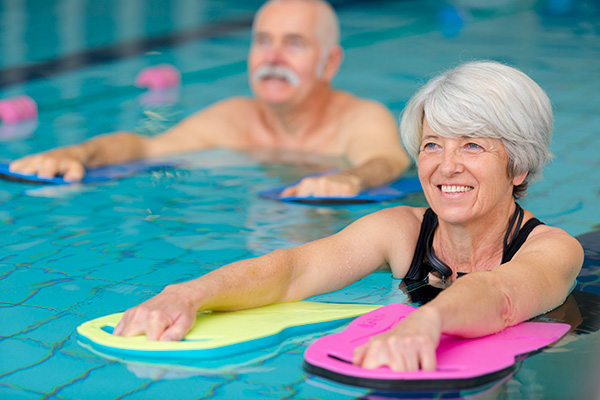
[(479, 133)]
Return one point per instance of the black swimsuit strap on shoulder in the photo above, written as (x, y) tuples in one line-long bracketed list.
[(517, 241), (434, 262), (416, 272), (425, 259), (518, 218)]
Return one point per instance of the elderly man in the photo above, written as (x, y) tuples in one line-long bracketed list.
[(293, 58)]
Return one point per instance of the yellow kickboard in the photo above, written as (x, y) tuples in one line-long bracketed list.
[(221, 334)]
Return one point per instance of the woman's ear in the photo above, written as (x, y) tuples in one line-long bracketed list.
[(518, 179)]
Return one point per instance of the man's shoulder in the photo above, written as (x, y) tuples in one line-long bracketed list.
[(235, 104), (357, 112), (354, 105)]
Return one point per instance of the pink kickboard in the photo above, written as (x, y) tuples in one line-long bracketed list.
[(18, 109), (460, 362), (159, 77)]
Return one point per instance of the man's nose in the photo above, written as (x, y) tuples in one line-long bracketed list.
[(274, 54)]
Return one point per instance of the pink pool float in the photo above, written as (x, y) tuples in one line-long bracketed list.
[(158, 77), (18, 109), (461, 363)]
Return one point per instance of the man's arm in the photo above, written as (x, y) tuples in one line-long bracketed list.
[(372, 146), (193, 133), (71, 161)]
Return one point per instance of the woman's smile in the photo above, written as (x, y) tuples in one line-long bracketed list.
[(455, 188)]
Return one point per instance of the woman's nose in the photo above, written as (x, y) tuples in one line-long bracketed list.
[(451, 163)]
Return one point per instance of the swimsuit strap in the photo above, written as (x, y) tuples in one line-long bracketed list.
[(515, 244), (433, 261), (416, 272), (425, 256), (518, 215)]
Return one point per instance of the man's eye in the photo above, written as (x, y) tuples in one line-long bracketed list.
[(261, 40), (295, 43)]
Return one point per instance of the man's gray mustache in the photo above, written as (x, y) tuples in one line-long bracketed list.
[(278, 72)]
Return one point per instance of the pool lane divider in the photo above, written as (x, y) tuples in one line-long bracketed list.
[(28, 72), (42, 70)]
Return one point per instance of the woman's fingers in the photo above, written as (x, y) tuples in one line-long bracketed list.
[(409, 346), (167, 316), (178, 329), (157, 323), (133, 323), (428, 358), (396, 356)]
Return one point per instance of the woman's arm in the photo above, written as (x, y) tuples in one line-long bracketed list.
[(283, 275), (536, 280)]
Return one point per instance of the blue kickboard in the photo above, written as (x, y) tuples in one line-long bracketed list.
[(395, 190), (92, 175)]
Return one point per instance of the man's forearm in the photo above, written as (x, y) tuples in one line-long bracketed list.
[(109, 149), (376, 171)]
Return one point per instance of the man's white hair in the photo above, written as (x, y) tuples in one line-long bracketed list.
[(327, 26), (485, 99)]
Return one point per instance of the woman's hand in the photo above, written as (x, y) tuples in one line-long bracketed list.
[(408, 346), (167, 316)]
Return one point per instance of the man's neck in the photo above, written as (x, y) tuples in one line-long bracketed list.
[(297, 121)]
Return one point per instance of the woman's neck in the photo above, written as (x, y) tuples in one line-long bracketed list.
[(477, 245)]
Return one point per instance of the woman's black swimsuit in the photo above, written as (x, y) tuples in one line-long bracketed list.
[(425, 260)]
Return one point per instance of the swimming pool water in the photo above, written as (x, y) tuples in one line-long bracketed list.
[(71, 254)]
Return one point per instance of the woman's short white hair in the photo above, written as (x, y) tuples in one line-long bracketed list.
[(485, 99)]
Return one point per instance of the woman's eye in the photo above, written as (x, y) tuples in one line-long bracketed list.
[(430, 146), (473, 146)]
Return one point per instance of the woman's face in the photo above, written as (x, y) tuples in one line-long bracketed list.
[(464, 178)]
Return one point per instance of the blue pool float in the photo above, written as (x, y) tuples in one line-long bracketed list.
[(92, 175), (395, 190)]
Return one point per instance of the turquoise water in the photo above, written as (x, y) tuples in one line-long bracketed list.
[(71, 254)]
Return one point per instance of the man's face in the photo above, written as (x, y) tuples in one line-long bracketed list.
[(285, 53)]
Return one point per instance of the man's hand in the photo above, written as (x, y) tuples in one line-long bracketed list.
[(340, 184), (50, 164), (409, 346), (167, 316)]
